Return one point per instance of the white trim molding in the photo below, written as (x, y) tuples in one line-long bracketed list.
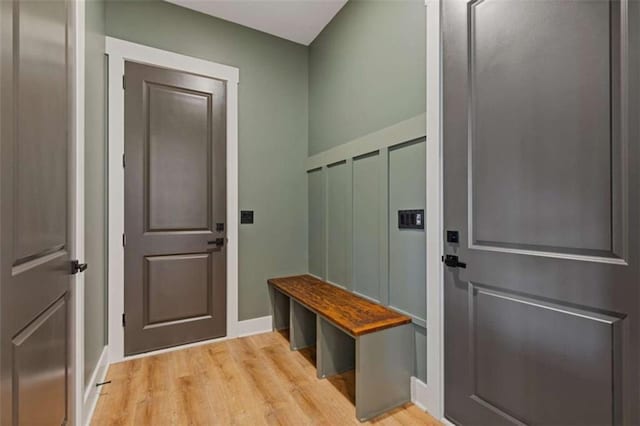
[(244, 328), (92, 391), (396, 134), (120, 51), (434, 400), (77, 250), (446, 422), (419, 393), (254, 326)]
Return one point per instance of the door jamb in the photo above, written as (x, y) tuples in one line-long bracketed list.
[(118, 52), (434, 200), (77, 179)]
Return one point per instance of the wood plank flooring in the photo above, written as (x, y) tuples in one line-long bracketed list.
[(253, 380)]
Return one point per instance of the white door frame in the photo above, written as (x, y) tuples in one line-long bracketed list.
[(120, 51), (435, 292), (76, 378)]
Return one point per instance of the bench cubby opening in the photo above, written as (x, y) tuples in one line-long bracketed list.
[(349, 333), (302, 329), (335, 350)]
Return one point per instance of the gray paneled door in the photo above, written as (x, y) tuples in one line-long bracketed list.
[(35, 209), (541, 179), (175, 208)]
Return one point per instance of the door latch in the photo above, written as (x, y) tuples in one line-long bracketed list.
[(453, 261), (76, 267)]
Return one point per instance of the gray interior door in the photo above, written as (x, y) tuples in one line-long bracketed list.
[(541, 180), (35, 223), (175, 208)]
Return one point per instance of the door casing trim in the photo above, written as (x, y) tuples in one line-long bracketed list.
[(434, 400), (76, 376), (118, 52), (92, 391)]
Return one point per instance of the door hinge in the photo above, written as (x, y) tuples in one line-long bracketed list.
[(124, 240), (123, 161), (124, 85), (124, 320)]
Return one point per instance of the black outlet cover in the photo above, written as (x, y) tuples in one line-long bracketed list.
[(411, 219), (246, 216)]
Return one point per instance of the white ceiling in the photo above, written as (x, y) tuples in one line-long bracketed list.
[(296, 20)]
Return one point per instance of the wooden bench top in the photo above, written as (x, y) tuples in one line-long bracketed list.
[(352, 313)]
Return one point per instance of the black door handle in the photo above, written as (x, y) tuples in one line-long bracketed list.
[(76, 267), (219, 242), (452, 261)]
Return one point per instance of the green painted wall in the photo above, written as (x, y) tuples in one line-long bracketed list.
[(273, 130), (95, 278), (407, 247), (317, 249), (338, 229), (366, 71), (367, 74), (367, 194)]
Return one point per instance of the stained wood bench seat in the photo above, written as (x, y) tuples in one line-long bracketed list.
[(354, 314), (349, 332)]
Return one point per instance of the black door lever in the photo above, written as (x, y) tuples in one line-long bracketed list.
[(76, 267), (453, 262), (219, 242)]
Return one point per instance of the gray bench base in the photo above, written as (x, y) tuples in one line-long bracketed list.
[(384, 365), (383, 360)]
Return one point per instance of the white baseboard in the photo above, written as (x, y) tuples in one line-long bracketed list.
[(174, 348), (419, 393), (254, 326), (242, 329), (420, 396), (92, 392)]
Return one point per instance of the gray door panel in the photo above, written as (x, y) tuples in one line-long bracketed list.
[(191, 273), (175, 194), (540, 179), (40, 357), (35, 219)]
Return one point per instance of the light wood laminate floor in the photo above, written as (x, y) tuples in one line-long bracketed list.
[(252, 380)]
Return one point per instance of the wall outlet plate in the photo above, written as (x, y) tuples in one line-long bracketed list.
[(411, 219)]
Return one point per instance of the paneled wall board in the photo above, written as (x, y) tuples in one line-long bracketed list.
[(338, 229), (317, 248), (421, 352), (407, 247), (354, 240), (366, 225), (383, 229)]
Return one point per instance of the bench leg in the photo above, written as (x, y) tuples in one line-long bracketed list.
[(280, 306), (302, 331), (384, 364), (335, 350)]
